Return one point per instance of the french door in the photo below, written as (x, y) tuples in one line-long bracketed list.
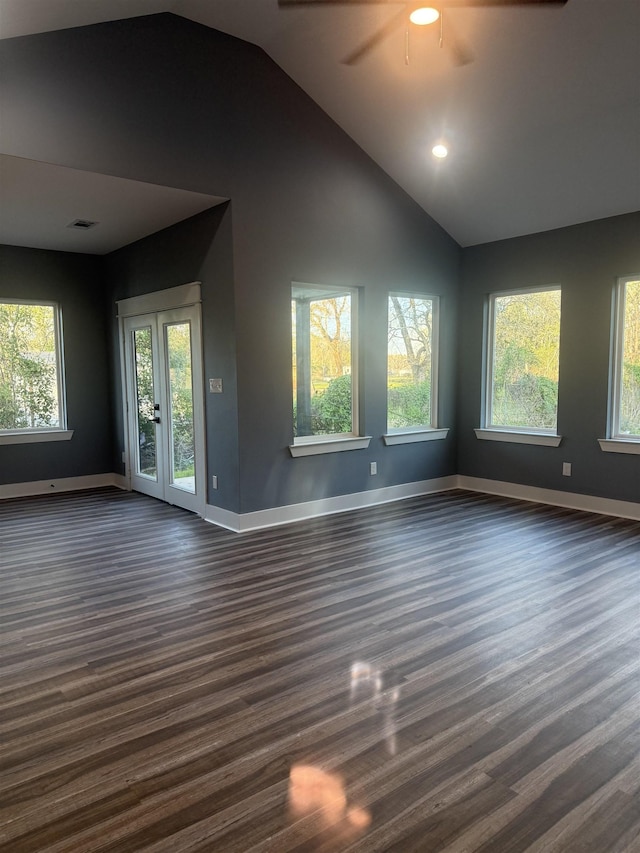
[(165, 416)]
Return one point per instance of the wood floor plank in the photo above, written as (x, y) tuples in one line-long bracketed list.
[(455, 672)]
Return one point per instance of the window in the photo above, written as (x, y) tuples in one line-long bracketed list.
[(626, 361), (31, 375), (324, 365), (523, 348), (411, 362)]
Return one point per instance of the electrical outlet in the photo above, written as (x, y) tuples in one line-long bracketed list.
[(214, 481), (566, 469), (373, 467)]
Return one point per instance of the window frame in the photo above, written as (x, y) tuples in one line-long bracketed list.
[(425, 431), (60, 432), (617, 358), (497, 432), (333, 442)]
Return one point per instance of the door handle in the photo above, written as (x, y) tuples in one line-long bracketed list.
[(155, 420)]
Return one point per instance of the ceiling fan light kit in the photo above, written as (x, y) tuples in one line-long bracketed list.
[(415, 13), (424, 15)]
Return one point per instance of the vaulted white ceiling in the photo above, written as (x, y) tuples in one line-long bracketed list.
[(543, 126), (41, 204)]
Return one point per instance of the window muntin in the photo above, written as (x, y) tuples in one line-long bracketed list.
[(626, 354), (523, 354), (411, 362), (31, 367), (323, 332)]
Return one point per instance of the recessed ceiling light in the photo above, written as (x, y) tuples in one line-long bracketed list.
[(440, 151), (424, 15)]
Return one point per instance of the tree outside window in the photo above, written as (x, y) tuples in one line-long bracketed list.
[(523, 360), (411, 356), (30, 367), (322, 366), (626, 409)]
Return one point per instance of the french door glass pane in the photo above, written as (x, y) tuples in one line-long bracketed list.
[(178, 338), (146, 460)]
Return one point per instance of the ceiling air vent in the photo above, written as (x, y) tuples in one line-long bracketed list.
[(81, 224)]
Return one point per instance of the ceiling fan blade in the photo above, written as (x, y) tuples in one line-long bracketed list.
[(460, 50), (379, 36), (340, 2), (445, 4)]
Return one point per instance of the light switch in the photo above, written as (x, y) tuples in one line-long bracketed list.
[(215, 386)]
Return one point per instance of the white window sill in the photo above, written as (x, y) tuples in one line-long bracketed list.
[(620, 445), (542, 438), (314, 445), (35, 436), (409, 436)]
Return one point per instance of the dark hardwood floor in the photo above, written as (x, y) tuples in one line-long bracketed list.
[(450, 673)]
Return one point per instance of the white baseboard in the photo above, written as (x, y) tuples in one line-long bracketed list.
[(571, 500), (65, 484), (244, 522)]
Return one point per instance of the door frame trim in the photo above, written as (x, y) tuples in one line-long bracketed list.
[(181, 296)]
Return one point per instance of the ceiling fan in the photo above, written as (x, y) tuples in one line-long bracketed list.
[(419, 14)]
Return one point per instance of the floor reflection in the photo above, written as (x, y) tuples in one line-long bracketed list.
[(312, 789), (368, 684), (324, 794)]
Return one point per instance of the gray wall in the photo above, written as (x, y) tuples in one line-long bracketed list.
[(585, 260), (76, 283), (164, 100), (198, 249)]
